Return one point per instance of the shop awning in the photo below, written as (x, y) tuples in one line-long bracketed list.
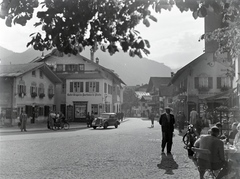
[(221, 97)]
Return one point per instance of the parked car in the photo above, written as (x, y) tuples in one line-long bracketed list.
[(105, 120)]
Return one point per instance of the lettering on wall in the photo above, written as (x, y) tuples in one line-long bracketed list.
[(84, 94)]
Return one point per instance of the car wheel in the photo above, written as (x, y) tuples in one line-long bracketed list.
[(94, 127), (116, 126), (105, 125)]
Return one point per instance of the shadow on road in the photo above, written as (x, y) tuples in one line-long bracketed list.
[(168, 164)]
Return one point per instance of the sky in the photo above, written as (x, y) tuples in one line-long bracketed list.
[(173, 39)]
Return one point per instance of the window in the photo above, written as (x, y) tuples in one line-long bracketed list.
[(50, 89), (34, 73), (223, 82), (63, 88), (105, 87), (21, 88), (92, 87), (74, 67), (76, 87), (81, 67), (33, 88), (41, 74), (203, 82), (41, 89), (109, 89), (40, 111), (59, 68), (71, 68), (118, 91)]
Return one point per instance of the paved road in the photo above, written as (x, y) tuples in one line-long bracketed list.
[(131, 151)]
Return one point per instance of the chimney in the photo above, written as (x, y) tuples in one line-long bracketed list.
[(97, 60), (172, 74)]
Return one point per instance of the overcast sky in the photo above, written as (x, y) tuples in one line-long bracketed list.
[(173, 39)]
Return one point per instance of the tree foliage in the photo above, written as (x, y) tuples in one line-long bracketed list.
[(71, 25), (130, 99)]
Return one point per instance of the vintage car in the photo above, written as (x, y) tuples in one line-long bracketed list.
[(105, 120)]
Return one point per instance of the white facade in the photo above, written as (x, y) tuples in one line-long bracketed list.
[(87, 87)]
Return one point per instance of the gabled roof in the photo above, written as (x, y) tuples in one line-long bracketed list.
[(16, 70), (55, 51), (189, 65), (158, 82)]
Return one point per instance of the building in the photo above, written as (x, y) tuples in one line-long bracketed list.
[(30, 86), (161, 93), (198, 81), (87, 86)]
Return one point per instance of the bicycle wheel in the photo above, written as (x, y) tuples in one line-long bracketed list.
[(66, 126), (186, 139)]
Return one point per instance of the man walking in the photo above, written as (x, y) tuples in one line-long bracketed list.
[(167, 122), (151, 117)]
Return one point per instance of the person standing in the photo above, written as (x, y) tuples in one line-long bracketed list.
[(195, 121), (181, 120), (23, 120), (167, 122), (151, 117)]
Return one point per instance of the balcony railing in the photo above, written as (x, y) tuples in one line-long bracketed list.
[(203, 88)]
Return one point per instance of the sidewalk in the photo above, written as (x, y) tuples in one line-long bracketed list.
[(42, 126)]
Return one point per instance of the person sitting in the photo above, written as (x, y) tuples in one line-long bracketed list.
[(233, 133), (236, 141), (216, 160)]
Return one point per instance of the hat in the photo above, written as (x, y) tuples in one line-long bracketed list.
[(218, 124), (167, 107)]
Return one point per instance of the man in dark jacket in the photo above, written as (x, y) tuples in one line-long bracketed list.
[(167, 122)]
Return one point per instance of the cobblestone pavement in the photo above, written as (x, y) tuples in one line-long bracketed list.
[(130, 151)]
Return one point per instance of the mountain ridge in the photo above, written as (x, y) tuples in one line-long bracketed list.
[(132, 70)]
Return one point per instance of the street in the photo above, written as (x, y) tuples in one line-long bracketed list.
[(130, 151)]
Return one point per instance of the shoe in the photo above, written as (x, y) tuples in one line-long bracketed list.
[(169, 153), (25, 130)]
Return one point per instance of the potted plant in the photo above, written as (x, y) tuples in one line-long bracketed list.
[(33, 94), (41, 95), (50, 95)]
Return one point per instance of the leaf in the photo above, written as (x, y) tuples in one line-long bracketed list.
[(153, 18), (195, 14), (37, 24), (147, 43), (9, 21), (146, 22)]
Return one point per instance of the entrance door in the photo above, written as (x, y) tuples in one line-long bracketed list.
[(80, 111)]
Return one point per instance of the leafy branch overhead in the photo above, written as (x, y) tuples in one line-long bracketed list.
[(71, 25)]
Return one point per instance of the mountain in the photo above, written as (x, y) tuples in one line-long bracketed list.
[(10, 57), (132, 70)]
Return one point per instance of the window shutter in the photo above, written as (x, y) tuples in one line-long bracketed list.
[(18, 89), (218, 82), (71, 86), (97, 86), (210, 82), (196, 82), (81, 86), (24, 89), (87, 86)]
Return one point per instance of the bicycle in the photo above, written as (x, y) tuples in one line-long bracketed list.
[(189, 138)]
